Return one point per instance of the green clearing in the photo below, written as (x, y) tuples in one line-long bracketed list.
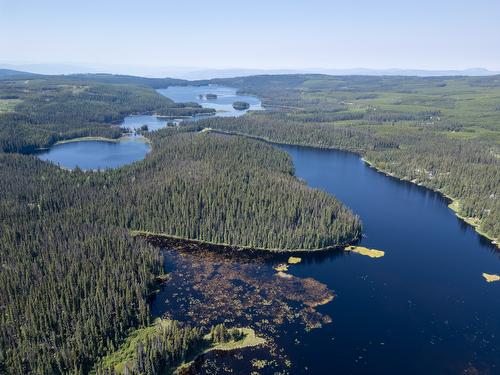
[(125, 357)]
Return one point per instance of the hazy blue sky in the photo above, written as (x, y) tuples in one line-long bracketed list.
[(269, 34)]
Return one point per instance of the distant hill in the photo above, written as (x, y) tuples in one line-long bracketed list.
[(118, 78), (230, 73), (9, 73), (192, 73)]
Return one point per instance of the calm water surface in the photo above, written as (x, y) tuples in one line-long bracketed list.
[(424, 307), (226, 96), (136, 121), (92, 155)]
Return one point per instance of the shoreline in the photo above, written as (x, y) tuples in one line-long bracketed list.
[(103, 139), (172, 241), (453, 205)]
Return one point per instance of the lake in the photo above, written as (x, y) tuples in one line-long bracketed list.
[(223, 104), (96, 154), (422, 308), (92, 155)]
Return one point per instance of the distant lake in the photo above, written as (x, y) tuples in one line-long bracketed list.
[(223, 104), (135, 122), (97, 154)]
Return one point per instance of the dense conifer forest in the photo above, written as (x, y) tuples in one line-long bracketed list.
[(74, 281), (441, 132)]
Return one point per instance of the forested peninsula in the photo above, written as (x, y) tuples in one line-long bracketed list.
[(74, 279), (439, 132)]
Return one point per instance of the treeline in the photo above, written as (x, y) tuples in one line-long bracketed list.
[(464, 170), (283, 130), (58, 108), (229, 190)]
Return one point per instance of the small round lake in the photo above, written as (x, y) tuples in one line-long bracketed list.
[(96, 154)]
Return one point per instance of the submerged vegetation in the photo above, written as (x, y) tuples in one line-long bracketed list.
[(65, 236)]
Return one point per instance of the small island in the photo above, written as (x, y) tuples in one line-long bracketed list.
[(491, 277), (211, 96), (372, 253), (241, 106)]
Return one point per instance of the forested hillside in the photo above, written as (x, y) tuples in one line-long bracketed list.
[(36, 113), (441, 132)]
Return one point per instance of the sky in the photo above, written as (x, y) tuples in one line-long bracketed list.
[(257, 34)]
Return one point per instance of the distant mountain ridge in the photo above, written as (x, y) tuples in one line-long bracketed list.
[(192, 73), (228, 73), (7, 73)]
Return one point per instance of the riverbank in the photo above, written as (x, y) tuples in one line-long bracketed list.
[(454, 205)]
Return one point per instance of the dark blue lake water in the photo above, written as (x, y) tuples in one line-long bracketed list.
[(422, 308)]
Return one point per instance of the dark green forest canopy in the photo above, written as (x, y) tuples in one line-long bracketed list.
[(73, 280), (442, 132)]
